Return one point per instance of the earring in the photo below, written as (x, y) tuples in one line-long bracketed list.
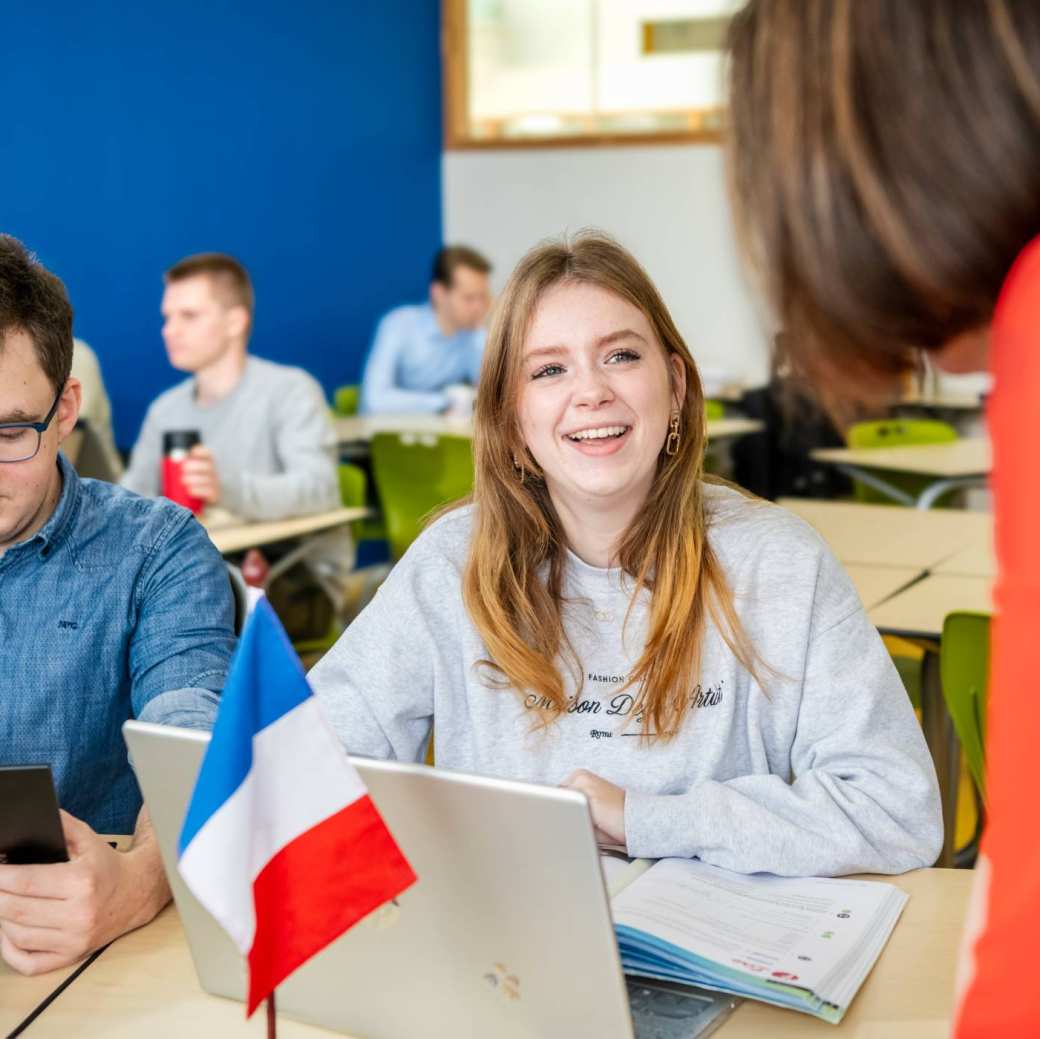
[(518, 469), (671, 446)]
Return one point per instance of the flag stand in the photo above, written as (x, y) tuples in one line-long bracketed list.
[(272, 1027)]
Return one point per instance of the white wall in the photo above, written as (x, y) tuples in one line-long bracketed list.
[(666, 203)]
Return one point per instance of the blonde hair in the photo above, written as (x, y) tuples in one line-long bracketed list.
[(513, 578)]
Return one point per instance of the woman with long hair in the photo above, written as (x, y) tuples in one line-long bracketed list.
[(885, 164), (697, 663)]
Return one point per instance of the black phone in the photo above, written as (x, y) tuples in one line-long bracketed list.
[(30, 826)]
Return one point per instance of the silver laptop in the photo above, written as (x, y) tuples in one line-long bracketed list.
[(506, 934)]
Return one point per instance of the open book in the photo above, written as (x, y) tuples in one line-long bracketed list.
[(806, 944)]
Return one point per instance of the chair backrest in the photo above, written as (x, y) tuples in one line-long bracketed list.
[(415, 475), (964, 668), (714, 409), (346, 399), (240, 593), (896, 432)]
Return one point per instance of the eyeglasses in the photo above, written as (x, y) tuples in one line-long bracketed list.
[(20, 441)]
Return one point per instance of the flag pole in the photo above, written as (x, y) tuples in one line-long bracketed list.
[(272, 1027)]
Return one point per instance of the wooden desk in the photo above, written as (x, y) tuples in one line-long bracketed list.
[(954, 464), (20, 996), (881, 535), (145, 984), (236, 535), (978, 559), (361, 428), (919, 611), (876, 584), (932, 401)]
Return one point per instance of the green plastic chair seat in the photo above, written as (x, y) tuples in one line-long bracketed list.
[(416, 474), (896, 433), (964, 669), (346, 400)]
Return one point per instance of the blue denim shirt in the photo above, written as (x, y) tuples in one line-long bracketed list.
[(118, 607)]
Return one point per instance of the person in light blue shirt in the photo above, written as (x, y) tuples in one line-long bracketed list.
[(424, 356), (112, 606)]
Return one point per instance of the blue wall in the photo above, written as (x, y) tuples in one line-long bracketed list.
[(303, 137)]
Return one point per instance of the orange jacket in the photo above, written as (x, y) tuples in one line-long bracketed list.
[(1003, 998)]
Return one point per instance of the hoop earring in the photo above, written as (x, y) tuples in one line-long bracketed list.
[(518, 469), (671, 446)]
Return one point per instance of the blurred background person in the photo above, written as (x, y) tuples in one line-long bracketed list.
[(96, 410)]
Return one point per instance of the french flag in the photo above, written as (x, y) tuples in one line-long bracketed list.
[(281, 841)]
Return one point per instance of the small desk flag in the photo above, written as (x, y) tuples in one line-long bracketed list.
[(281, 841)]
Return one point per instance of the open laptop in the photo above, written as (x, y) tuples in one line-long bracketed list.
[(507, 933)]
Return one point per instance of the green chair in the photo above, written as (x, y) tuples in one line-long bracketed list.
[(964, 669), (346, 400), (896, 433), (714, 409), (415, 475)]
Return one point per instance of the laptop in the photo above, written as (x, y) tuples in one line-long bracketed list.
[(506, 933)]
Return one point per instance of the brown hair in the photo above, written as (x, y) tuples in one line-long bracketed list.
[(449, 259), (228, 278), (34, 301), (513, 579), (884, 160)]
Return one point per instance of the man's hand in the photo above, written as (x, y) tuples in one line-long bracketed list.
[(606, 803), (199, 474), (52, 915)]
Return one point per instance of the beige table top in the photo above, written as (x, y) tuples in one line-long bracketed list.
[(920, 609), (234, 535), (978, 559), (945, 401), (362, 428), (20, 996), (969, 456), (892, 535), (145, 985), (875, 584)]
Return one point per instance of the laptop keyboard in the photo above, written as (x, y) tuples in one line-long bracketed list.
[(662, 1010)]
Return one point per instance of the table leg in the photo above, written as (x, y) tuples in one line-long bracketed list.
[(945, 748), (934, 491), (871, 479)]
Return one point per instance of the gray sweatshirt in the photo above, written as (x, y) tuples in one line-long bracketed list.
[(271, 437), (825, 772)]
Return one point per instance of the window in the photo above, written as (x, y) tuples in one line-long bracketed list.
[(582, 71)]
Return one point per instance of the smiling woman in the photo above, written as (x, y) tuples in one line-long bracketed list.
[(695, 662)]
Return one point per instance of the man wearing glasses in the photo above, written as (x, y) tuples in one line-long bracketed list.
[(111, 606)]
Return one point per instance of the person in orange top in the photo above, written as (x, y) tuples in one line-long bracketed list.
[(884, 162)]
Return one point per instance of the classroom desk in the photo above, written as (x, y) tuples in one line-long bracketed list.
[(917, 613), (941, 401), (232, 535), (977, 559), (959, 463), (20, 997), (356, 429), (145, 984), (876, 584), (882, 535)]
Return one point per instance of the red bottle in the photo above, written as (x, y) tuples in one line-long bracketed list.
[(176, 445)]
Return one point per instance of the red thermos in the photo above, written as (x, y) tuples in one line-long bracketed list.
[(176, 445)]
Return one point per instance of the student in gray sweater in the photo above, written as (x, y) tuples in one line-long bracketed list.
[(268, 448), (696, 662)]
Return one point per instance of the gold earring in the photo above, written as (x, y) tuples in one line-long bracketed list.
[(518, 468), (671, 446)]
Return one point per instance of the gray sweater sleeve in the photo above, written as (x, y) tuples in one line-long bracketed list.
[(143, 473), (863, 795), (306, 449)]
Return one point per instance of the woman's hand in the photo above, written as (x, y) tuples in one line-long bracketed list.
[(606, 803)]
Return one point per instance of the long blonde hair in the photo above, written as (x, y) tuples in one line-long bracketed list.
[(513, 579)]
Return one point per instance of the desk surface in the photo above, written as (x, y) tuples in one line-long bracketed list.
[(921, 609), (236, 536), (969, 456), (20, 996), (145, 984), (978, 559), (361, 428), (875, 584), (941, 401), (892, 535)]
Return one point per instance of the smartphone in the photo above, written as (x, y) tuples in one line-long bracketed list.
[(30, 827)]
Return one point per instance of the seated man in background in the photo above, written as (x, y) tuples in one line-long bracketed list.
[(95, 410), (268, 448), (113, 607), (426, 358)]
